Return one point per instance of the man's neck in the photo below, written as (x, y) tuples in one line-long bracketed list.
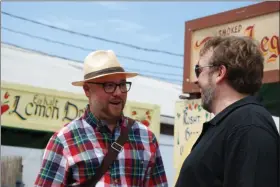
[(225, 99)]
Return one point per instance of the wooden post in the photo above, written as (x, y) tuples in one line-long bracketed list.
[(11, 171)]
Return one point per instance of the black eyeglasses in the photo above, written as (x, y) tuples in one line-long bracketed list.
[(198, 69), (110, 87)]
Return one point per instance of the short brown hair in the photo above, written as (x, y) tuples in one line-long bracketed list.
[(242, 58)]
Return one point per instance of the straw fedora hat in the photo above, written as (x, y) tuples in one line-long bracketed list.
[(102, 63)]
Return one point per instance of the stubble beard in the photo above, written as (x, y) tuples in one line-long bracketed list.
[(105, 111), (115, 113), (207, 96)]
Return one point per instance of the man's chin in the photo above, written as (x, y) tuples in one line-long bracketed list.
[(116, 114), (115, 111)]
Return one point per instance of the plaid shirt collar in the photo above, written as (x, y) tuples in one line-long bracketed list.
[(100, 124)]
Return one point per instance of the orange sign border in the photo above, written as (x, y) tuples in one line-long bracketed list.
[(220, 19)]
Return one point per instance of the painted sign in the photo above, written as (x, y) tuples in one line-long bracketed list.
[(37, 109), (264, 29), (189, 119), (149, 115), (48, 110)]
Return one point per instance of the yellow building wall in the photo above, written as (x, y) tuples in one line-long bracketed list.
[(189, 118)]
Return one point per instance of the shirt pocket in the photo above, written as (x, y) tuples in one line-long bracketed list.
[(85, 160), (138, 163)]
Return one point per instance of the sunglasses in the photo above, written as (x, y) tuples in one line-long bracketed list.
[(198, 69)]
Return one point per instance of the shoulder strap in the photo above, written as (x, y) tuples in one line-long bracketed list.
[(111, 155)]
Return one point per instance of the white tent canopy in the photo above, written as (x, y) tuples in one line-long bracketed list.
[(29, 67)]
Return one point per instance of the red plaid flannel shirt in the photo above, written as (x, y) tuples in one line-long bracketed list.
[(80, 147)]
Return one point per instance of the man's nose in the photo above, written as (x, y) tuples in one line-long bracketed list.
[(117, 91), (195, 80)]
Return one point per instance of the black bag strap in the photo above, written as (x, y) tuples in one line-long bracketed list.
[(114, 149)]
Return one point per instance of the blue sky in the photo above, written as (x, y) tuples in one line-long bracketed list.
[(157, 25)]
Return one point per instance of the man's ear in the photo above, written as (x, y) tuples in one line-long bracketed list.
[(222, 71), (86, 89)]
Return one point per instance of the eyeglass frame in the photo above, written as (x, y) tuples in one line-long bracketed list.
[(197, 68), (115, 84)]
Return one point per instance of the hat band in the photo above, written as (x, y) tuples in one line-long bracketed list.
[(104, 71)]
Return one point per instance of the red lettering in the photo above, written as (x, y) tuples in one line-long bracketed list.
[(199, 44), (270, 47), (264, 46), (275, 45), (250, 31), (272, 58)]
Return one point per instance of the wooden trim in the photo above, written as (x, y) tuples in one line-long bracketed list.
[(220, 19), (187, 62), (234, 15), (190, 87)]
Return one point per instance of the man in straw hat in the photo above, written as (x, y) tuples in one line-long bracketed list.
[(103, 147)]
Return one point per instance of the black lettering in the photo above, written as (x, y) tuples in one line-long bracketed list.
[(186, 118), (192, 119), (187, 134), (55, 103), (67, 107), (198, 119), (45, 102), (35, 99), (48, 111), (57, 112), (40, 107), (26, 107), (232, 30), (239, 28), (81, 112), (228, 30), (236, 29), (189, 120), (17, 98)]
